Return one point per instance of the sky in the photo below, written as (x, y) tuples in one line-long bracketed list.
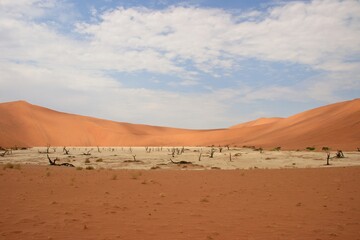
[(198, 64)]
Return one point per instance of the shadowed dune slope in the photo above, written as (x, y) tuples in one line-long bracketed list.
[(336, 126)]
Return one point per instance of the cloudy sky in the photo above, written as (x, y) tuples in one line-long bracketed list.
[(191, 64)]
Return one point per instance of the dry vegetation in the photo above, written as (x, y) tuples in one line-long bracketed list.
[(246, 157)]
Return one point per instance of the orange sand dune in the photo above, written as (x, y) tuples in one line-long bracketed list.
[(23, 124), (260, 121), (335, 126)]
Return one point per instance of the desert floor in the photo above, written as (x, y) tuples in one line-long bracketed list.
[(40, 202), (108, 195), (156, 157)]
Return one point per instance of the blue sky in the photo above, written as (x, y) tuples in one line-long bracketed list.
[(191, 64)]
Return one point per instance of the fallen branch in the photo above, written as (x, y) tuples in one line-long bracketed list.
[(133, 161), (87, 153), (53, 162), (181, 162), (4, 153)]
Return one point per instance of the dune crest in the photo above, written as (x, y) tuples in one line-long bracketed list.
[(336, 126), (259, 121)]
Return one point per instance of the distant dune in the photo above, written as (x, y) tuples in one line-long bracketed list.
[(260, 121), (336, 126)]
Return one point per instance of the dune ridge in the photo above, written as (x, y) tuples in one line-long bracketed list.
[(26, 125)]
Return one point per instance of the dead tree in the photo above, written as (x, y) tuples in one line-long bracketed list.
[(259, 149), (53, 162), (66, 151), (200, 157), (340, 154), (230, 157), (134, 160), (220, 149), (182, 150), (328, 159), (98, 149), (47, 150), (212, 153)]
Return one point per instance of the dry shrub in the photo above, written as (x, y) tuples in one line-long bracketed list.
[(12, 166)]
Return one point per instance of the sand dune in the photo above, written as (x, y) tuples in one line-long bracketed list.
[(335, 126), (259, 121)]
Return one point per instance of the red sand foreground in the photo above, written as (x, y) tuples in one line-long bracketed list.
[(60, 203)]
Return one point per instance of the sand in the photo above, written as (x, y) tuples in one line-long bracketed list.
[(336, 126), (137, 192), (39, 202)]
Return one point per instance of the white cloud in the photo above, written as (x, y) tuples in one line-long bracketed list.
[(185, 82), (24, 8), (43, 64), (312, 33), (90, 94), (321, 34)]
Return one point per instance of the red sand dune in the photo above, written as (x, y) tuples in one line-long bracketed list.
[(259, 121), (336, 126), (62, 203)]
